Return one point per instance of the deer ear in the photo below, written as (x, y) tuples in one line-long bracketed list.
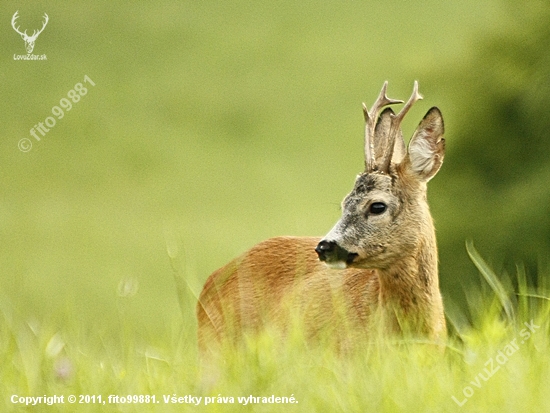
[(427, 147)]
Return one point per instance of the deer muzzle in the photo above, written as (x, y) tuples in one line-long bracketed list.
[(334, 255)]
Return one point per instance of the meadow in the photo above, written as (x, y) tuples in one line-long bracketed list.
[(208, 127), (499, 363)]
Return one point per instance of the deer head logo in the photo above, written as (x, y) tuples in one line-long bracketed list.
[(29, 40)]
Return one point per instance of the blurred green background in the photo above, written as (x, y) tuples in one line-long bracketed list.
[(220, 124)]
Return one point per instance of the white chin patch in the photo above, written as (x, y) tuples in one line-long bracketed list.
[(337, 265)]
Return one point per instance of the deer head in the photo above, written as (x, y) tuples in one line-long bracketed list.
[(29, 40), (386, 216)]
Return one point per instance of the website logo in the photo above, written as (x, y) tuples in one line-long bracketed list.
[(29, 40)]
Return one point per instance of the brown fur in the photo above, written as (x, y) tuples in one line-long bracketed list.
[(249, 292), (391, 279)]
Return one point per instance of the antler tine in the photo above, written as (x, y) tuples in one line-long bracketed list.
[(381, 101), (37, 32), (13, 19), (414, 97), (370, 123), (395, 125), (46, 20)]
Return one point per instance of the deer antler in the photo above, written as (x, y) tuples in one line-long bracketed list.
[(13, 19), (371, 117), (36, 33), (394, 128)]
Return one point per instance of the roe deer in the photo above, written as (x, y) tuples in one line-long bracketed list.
[(380, 258)]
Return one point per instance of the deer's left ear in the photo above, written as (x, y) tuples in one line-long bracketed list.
[(427, 147)]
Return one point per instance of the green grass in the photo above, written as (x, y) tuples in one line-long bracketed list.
[(213, 126), (490, 364)]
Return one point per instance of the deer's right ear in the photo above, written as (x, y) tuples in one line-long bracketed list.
[(427, 147)]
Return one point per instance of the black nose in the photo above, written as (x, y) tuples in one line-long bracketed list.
[(325, 249), (330, 251)]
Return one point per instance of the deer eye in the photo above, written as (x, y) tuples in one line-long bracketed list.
[(377, 208)]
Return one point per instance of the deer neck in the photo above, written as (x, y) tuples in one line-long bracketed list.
[(409, 290)]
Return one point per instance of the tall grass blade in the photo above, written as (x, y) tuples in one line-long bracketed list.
[(185, 294), (542, 297), (523, 300), (491, 279)]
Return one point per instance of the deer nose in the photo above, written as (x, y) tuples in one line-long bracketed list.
[(331, 252), (324, 249)]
